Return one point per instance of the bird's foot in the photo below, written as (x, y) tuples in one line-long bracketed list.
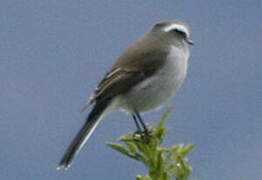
[(144, 135)]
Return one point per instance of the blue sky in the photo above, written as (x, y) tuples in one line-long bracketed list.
[(53, 53)]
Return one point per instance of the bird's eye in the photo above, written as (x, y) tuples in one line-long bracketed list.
[(179, 32)]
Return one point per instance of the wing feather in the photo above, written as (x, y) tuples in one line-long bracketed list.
[(124, 76)]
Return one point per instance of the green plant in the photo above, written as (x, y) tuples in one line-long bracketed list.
[(162, 163)]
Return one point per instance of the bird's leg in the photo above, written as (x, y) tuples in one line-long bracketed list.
[(143, 124), (137, 125)]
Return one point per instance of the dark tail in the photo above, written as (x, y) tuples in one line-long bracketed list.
[(83, 135)]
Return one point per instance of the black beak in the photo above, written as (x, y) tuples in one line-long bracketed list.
[(190, 42)]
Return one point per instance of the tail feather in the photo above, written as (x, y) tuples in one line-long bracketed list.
[(82, 136)]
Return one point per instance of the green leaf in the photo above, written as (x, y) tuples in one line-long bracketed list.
[(142, 159), (119, 148), (162, 163), (161, 123), (139, 177), (160, 131), (187, 149), (173, 152), (127, 138), (132, 147)]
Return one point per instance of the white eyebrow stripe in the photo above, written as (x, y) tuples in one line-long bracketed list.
[(176, 26)]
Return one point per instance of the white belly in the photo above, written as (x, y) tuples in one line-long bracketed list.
[(156, 90)]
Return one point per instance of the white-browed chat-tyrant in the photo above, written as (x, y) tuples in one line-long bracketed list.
[(143, 78)]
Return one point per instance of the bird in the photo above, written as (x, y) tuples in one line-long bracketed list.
[(143, 78)]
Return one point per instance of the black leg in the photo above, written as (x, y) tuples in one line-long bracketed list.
[(141, 122), (137, 125)]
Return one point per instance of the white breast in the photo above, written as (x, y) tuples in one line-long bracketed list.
[(156, 90)]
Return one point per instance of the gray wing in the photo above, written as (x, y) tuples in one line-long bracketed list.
[(124, 76)]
